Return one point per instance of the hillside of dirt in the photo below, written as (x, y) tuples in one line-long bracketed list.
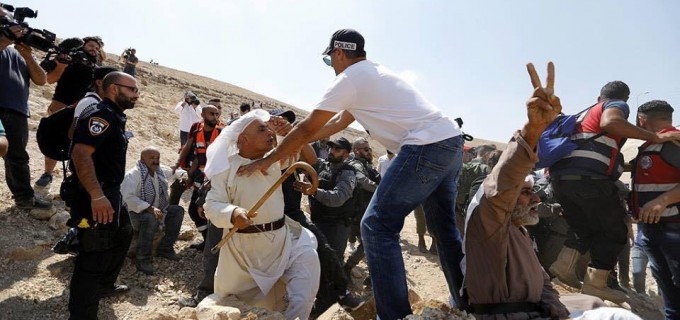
[(34, 281)]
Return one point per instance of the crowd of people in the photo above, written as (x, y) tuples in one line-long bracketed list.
[(502, 229)]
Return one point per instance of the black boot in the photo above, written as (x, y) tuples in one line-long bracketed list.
[(200, 245), (67, 244), (613, 281)]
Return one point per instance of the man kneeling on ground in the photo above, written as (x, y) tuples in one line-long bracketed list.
[(145, 191), (267, 247)]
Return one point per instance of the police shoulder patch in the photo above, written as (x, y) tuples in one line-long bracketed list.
[(97, 126), (646, 162)]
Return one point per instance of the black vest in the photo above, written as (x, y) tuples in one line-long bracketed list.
[(328, 181), (364, 197)]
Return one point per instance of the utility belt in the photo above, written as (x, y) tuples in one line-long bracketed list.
[(574, 177), (270, 226), (510, 307)]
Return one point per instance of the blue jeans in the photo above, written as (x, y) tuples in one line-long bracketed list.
[(640, 262), (146, 226), (424, 174), (661, 242)]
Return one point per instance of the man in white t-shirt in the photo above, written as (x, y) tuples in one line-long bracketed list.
[(189, 112), (384, 162), (429, 149)]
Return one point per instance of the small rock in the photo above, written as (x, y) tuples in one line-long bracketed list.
[(186, 233), (43, 214), (209, 309), (22, 254), (159, 314), (187, 313), (47, 93), (58, 221)]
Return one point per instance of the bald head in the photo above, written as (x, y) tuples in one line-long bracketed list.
[(151, 158), (116, 77)]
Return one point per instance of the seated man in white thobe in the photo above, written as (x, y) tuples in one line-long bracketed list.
[(267, 247)]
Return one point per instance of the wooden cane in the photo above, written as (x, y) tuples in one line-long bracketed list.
[(298, 165)]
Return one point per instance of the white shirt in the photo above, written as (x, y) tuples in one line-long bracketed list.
[(132, 184), (90, 99), (391, 109), (187, 115), (383, 163)]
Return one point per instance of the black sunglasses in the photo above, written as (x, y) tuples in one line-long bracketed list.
[(133, 89)]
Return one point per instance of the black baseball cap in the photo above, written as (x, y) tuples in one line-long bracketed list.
[(341, 143), (346, 39), (101, 72), (288, 115)]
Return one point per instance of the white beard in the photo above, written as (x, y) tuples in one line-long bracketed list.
[(524, 215)]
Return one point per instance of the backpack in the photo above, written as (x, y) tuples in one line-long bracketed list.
[(555, 142), (52, 134), (470, 172)]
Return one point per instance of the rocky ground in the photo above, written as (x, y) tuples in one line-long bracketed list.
[(34, 282)]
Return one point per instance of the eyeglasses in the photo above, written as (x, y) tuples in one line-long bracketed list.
[(133, 89)]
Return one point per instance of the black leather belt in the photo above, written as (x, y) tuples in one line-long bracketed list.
[(256, 228), (502, 308)]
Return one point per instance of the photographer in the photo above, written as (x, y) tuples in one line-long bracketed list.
[(73, 80), (18, 67), (130, 61)]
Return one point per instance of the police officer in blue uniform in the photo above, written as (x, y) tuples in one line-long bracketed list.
[(97, 208)]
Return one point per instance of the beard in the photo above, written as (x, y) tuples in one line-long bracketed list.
[(210, 123), (124, 102), (526, 215), (333, 159)]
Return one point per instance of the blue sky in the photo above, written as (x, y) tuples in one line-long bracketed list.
[(467, 57)]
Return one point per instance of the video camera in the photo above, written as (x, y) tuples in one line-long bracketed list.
[(42, 40), (128, 53), (68, 51)]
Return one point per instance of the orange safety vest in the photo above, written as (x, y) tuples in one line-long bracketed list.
[(201, 146)]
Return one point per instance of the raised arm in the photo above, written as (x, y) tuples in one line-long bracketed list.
[(36, 72), (301, 134), (336, 124)]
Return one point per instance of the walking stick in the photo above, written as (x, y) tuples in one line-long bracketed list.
[(298, 165)]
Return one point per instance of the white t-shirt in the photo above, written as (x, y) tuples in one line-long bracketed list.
[(90, 99), (384, 163), (392, 110), (187, 115)]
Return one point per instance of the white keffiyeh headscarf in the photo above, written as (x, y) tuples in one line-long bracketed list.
[(225, 145)]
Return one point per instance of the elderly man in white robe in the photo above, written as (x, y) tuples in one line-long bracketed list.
[(267, 247)]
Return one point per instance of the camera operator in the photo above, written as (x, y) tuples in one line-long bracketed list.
[(73, 80), (130, 61), (18, 66)]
